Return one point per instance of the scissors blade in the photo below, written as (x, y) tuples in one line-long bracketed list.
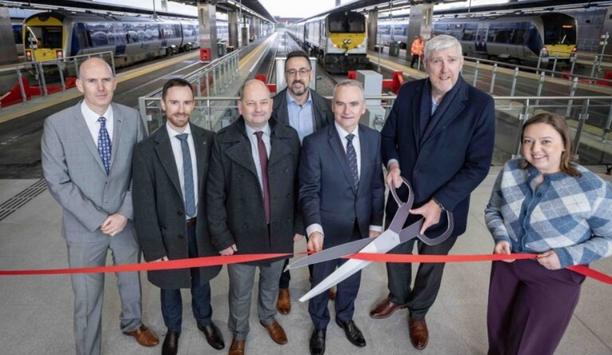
[(331, 253), (382, 244)]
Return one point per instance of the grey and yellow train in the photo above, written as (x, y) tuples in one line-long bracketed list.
[(58, 34), (338, 39)]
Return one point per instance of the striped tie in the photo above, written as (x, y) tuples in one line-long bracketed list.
[(351, 155), (104, 145)]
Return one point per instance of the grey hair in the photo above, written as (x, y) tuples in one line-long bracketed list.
[(441, 42), (110, 69), (350, 82)]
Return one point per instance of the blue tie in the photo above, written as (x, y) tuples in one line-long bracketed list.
[(190, 207), (352, 159), (104, 145)]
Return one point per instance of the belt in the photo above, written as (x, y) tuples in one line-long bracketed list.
[(191, 222)]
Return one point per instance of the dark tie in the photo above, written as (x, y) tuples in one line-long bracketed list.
[(263, 161), (190, 207), (104, 145), (351, 155)]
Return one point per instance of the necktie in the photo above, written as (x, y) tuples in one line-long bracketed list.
[(263, 161), (190, 207), (351, 155), (104, 145)]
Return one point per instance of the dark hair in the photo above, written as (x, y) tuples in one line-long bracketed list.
[(175, 82), (558, 123), (297, 54)]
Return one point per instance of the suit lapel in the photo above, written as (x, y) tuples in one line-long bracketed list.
[(336, 146), (450, 111), (365, 155), (201, 147), (83, 132), (240, 152), (117, 129), (163, 149), (419, 108)]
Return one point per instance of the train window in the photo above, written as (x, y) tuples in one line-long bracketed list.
[(17, 33), (98, 34), (559, 29), (47, 36), (350, 22)]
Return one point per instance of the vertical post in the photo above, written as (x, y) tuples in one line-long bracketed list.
[(554, 67), (42, 79), (540, 85), (514, 78), (199, 87), (581, 121), (539, 62), (570, 103), (595, 61), (207, 84), (112, 60), (517, 139), (573, 61), (24, 97), (493, 74), (60, 69), (475, 79), (608, 126)]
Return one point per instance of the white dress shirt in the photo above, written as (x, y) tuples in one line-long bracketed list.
[(177, 151), (91, 119), (315, 227), (250, 132)]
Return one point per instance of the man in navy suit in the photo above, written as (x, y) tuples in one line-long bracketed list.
[(342, 198), (439, 136)]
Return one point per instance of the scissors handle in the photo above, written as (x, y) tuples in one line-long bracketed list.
[(403, 208), (399, 202), (413, 231)]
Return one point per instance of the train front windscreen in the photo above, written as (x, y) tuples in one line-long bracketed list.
[(559, 35)]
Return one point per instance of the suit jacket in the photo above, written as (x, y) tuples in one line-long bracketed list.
[(234, 196), (321, 110), (76, 177), (444, 156), (159, 210), (327, 193)]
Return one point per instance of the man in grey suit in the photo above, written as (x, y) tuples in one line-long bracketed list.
[(306, 111), (170, 169), (251, 195), (86, 160), (342, 198)]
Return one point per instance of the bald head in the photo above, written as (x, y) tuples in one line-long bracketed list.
[(97, 84), (255, 103), (92, 63)]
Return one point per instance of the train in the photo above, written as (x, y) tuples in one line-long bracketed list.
[(338, 39), (519, 38), (60, 34)]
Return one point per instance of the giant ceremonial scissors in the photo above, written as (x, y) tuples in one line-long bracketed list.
[(388, 240)]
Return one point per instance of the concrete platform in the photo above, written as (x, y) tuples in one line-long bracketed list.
[(36, 312)]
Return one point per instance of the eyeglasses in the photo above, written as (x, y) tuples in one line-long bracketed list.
[(293, 72)]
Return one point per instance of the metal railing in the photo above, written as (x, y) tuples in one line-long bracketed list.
[(50, 76), (590, 119)]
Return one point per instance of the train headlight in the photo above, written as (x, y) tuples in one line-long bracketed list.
[(59, 54), (28, 54)]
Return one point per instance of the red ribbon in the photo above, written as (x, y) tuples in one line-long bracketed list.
[(245, 258)]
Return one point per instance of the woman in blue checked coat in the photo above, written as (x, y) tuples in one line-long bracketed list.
[(545, 204)]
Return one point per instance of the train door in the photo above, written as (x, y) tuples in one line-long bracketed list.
[(480, 42)]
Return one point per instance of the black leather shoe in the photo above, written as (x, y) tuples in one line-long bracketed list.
[(317, 342), (353, 334), (213, 335), (171, 341)]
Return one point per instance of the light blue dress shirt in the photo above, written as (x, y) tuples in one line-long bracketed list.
[(300, 117)]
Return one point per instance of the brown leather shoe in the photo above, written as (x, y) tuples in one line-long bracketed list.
[(385, 308), (277, 333), (283, 304), (419, 335), (331, 294), (144, 336), (237, 347)]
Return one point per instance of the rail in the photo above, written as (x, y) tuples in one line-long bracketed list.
[(589, 117)]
